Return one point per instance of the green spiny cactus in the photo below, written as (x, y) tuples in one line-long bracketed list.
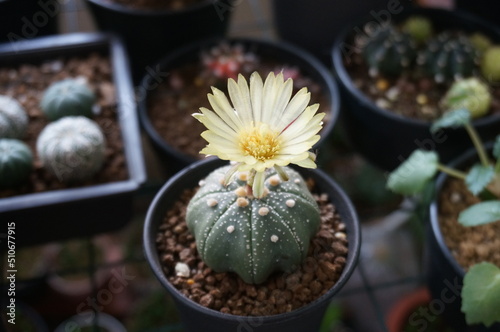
[(387, 51), (490, 64), (253, 237), (419, 27), (470, 94), (447, 57), (69, 97), (72, 148), (13, 118), (16, 162)]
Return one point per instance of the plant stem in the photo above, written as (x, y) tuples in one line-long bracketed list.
[(452, 172), (478, 144)]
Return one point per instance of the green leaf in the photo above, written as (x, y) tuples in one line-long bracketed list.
[(481, 294), (478, 178), (452, 119), (496, 148), (412, 176), (480, 213)]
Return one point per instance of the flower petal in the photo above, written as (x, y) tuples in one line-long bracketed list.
[(256, 86), (240, 97), (223, 108)]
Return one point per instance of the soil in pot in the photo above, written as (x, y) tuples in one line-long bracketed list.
[(185, 90), (468, 245), (157, 4), (27, 82), (413, 93), (227, 293)]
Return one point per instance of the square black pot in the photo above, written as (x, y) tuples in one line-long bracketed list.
[(61, 214)]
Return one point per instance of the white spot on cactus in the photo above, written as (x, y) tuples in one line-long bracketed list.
[(290, 203), (274, 180), (240, 191), (182, 270), (201, 183), (212, 202), (242, 202), (274, 238), (297, 181), (263, 211), (230, 229)]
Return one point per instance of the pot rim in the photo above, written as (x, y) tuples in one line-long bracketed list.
[(127, 10), (341, 200), (328, 84), (433, 208), (345, 79)]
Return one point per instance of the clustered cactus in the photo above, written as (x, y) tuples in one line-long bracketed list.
[(448, 56), (253, 237), (72, 148), (67, 97), (388, 51), (13, 118)]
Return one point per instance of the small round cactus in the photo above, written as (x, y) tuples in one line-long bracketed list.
[(16, 162), (470, 94), (419, 27), (490, 64), (447, 57), (253, 237), (72, 148), (387, 51), (13, 118), (69, 97), (480, 42)]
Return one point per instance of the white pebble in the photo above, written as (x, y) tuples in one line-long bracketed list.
[(182, 270)]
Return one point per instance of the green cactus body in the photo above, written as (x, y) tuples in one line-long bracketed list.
[(490, 64), (13, 118), (253, 237), (16, 162), (70, 97), (419, 27), (72, 148), (388, 51), (447, 57), (470, 94)]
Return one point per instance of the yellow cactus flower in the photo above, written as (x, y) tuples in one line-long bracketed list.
[(264, 127)]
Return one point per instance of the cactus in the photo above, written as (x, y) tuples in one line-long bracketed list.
[(490, 64), (470, 94), (69, 97), (72, 148), (447, 57), (480, 42), (16, 162), (226, 61), (419, 27), (253, 237), (387, 51), (13, 118)]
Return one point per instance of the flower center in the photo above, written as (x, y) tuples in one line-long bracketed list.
[(259, 142)]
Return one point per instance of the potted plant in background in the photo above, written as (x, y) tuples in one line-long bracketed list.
[(253, 248), (464, 223), (393, 74), (151, 29), (51, 184), (166, 102)]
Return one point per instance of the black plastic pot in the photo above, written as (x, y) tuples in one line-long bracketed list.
[(483, 8), (150, 34), (444, 274), (314, 25), (27, 19), (76, 212), (198, 318), (279, 52), (385, 138)]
